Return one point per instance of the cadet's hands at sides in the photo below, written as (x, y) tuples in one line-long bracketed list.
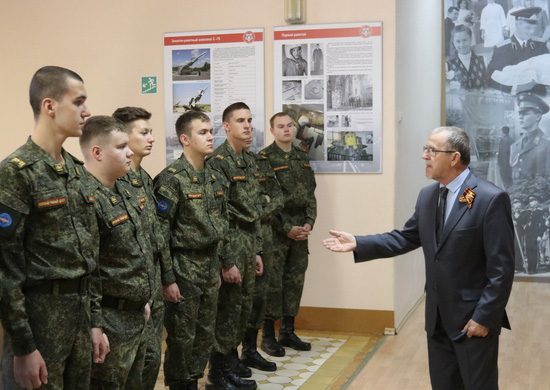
[(101, 345), (259, 265), (30, 370), (475, 330), (171, 293), (231, 275), (341, 242)]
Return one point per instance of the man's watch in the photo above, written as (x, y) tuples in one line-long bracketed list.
[(260, 253)]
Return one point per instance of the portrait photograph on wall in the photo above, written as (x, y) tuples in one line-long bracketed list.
[(497, 88)]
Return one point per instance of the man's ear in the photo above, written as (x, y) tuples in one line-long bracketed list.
[(96, 153), (226, 126), (184, 140), (48, 106)]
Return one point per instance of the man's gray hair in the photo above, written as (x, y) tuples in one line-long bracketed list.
[(458, 140)]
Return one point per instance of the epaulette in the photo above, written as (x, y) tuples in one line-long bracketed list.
[(538, 39), (220, 157), (18, 162), (175, 167), (505, 42)]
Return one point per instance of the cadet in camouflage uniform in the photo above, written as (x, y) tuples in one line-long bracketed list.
[(192, 207), (124, 280), (239, 255), (48, 245), (141, 140), (291, 229), (271, 200)]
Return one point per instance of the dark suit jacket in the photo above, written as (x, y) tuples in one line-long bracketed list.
[(469, 274), (510, 52)]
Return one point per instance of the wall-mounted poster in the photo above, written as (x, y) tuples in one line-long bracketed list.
[(328, 78), (497, 81), (209, 70)]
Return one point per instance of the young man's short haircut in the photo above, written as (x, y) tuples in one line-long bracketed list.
[(277, 115), (233, 107), (99, 126), (183, 124), (129, 114), (49, 82)]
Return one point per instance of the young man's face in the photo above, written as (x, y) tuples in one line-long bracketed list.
[(525, 30), (239, 126), (453, 15), (529, 119), (116, 154), (141, 137), (71, 112), (296, 53), (201, 140), (283, 129)]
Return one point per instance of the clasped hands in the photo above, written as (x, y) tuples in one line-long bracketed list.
[(299, 233)]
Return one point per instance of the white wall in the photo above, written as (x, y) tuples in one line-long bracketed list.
[(418, 108)]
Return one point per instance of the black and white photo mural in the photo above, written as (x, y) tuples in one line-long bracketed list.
[(497, 83)]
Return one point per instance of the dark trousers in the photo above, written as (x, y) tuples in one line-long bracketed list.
[(465, 364)]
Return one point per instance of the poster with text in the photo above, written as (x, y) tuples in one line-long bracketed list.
[(328, 78), (209, 70)]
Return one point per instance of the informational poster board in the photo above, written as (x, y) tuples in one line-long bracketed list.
[(328, 78), (209, 70)]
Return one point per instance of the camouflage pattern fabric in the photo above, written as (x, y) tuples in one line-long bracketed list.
[(47, 232), (297, 182), (193, 213), (239, 246), (272, 201), (125, 274), (123, 366), (142, 185)]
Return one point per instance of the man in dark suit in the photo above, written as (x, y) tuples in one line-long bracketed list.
[(520, 47), (469, 269)]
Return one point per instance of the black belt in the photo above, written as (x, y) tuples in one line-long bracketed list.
[(121, 304), (60, 286), (241, 225), (210, 250)]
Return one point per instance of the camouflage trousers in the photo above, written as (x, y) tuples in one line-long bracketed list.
[(263, 281), (290, 259), (235, 299), (61, 330), (123, 366), (190, 330), (153, 338)]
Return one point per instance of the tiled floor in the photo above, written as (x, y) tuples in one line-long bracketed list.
[(332, 361)]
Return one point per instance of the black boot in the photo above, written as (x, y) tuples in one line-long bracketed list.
[(193, 385), (235, 379), (287, 337), (269, 343), (237, 366), (216, 374), (250, 355)]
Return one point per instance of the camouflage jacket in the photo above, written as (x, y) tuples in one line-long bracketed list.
[(271, 195), (142, 185), (242, 190), (297, 181), (193, 211), (47, 231), (125, 253)]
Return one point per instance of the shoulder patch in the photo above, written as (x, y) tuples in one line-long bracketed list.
[(220, 157), (164, 205), (9, 219)]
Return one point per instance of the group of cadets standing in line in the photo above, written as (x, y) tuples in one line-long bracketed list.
[(96, 257)]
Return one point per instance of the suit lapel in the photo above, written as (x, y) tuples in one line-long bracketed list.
[(458, 210)]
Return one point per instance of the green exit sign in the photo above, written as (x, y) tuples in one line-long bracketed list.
[(149, 84)]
